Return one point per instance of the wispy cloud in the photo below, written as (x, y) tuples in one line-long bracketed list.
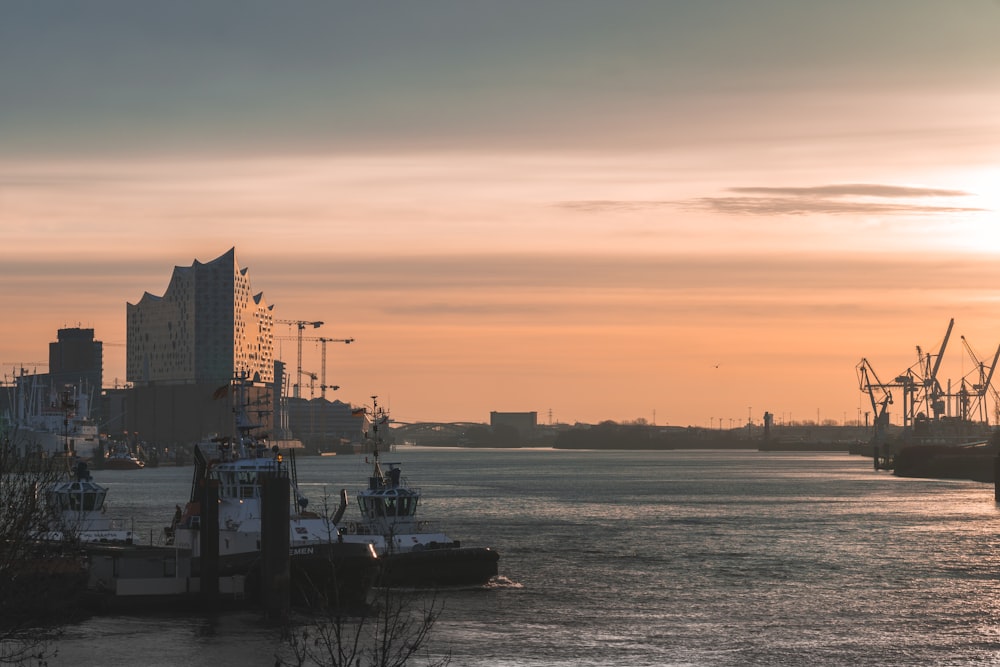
[(853, 189), (605, 205), (808, 205), (837, 199)]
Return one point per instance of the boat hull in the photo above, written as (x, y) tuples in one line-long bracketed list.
[(328, 574), (444, 567)]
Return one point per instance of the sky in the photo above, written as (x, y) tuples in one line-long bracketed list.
[(682, 212)]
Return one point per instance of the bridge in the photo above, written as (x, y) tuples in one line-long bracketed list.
[(433, 433)]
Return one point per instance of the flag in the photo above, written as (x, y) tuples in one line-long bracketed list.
[(357, 412), (221, 392)]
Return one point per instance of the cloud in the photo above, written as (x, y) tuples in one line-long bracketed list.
[(809, 205), (837, 199), (606, 205), (853, 189)]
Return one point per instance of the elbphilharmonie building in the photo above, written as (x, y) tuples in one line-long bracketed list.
[(208, 326), (184, 348)]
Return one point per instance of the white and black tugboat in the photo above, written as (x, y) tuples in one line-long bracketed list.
[(79, 512), (410, 554), (322, 565)]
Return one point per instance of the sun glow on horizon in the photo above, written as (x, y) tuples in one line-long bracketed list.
[(976, 229)]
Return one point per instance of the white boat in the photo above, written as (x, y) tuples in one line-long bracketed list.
[(411, 554), (79, 512), (240, 467)]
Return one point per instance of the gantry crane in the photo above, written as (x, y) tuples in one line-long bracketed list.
[(323, 386), (300, 324)]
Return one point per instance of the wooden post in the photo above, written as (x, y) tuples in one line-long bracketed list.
[(996, 478), (209, 541), (275, 582)]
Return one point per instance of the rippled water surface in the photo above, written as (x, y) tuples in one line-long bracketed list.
[(646, 558)]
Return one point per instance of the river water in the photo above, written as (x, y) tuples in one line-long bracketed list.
[(711, 558)]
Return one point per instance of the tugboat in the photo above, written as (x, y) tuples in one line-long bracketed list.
[(79, 512), (410, 555), (120, 457), (324, 569)]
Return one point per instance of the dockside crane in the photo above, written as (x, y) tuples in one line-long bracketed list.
[(300, 324), (930, 394), (879, 394), (984, 385)]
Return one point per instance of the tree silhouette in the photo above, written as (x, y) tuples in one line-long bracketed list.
[(39, 581), (392, 632)]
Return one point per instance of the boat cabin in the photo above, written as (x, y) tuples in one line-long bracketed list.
[(77, 506), (238, 469), (387, 500), (81, 495)]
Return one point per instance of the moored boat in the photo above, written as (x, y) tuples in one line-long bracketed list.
[(120, 457), (323, 567), (410, 553), (79, 512)]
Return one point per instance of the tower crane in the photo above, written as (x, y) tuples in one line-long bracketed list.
[(323, 386), (300, 324), (323, 341), (312, 384)]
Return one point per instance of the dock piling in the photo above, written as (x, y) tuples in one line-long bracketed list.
[(996, 478), (275, 544), (209, 541)]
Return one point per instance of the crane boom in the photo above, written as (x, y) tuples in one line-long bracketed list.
[(993, 367), (944, 344)]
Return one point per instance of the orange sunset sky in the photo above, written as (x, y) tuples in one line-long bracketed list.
[(684, 212)]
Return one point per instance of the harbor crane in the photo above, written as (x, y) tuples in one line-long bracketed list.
[(300, 325), (323, 386), (930, 394), (982, 386), (880, 395)]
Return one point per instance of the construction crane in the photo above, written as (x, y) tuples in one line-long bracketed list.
[(323, 341), (24, 364), (983, 386), (323, 386), (20, 368), (312, 384), (300, 324)]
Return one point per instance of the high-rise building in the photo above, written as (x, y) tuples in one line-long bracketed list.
[(208, 326), (76, 358)]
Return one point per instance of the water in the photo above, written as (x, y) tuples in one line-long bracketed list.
[(646, 558)]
